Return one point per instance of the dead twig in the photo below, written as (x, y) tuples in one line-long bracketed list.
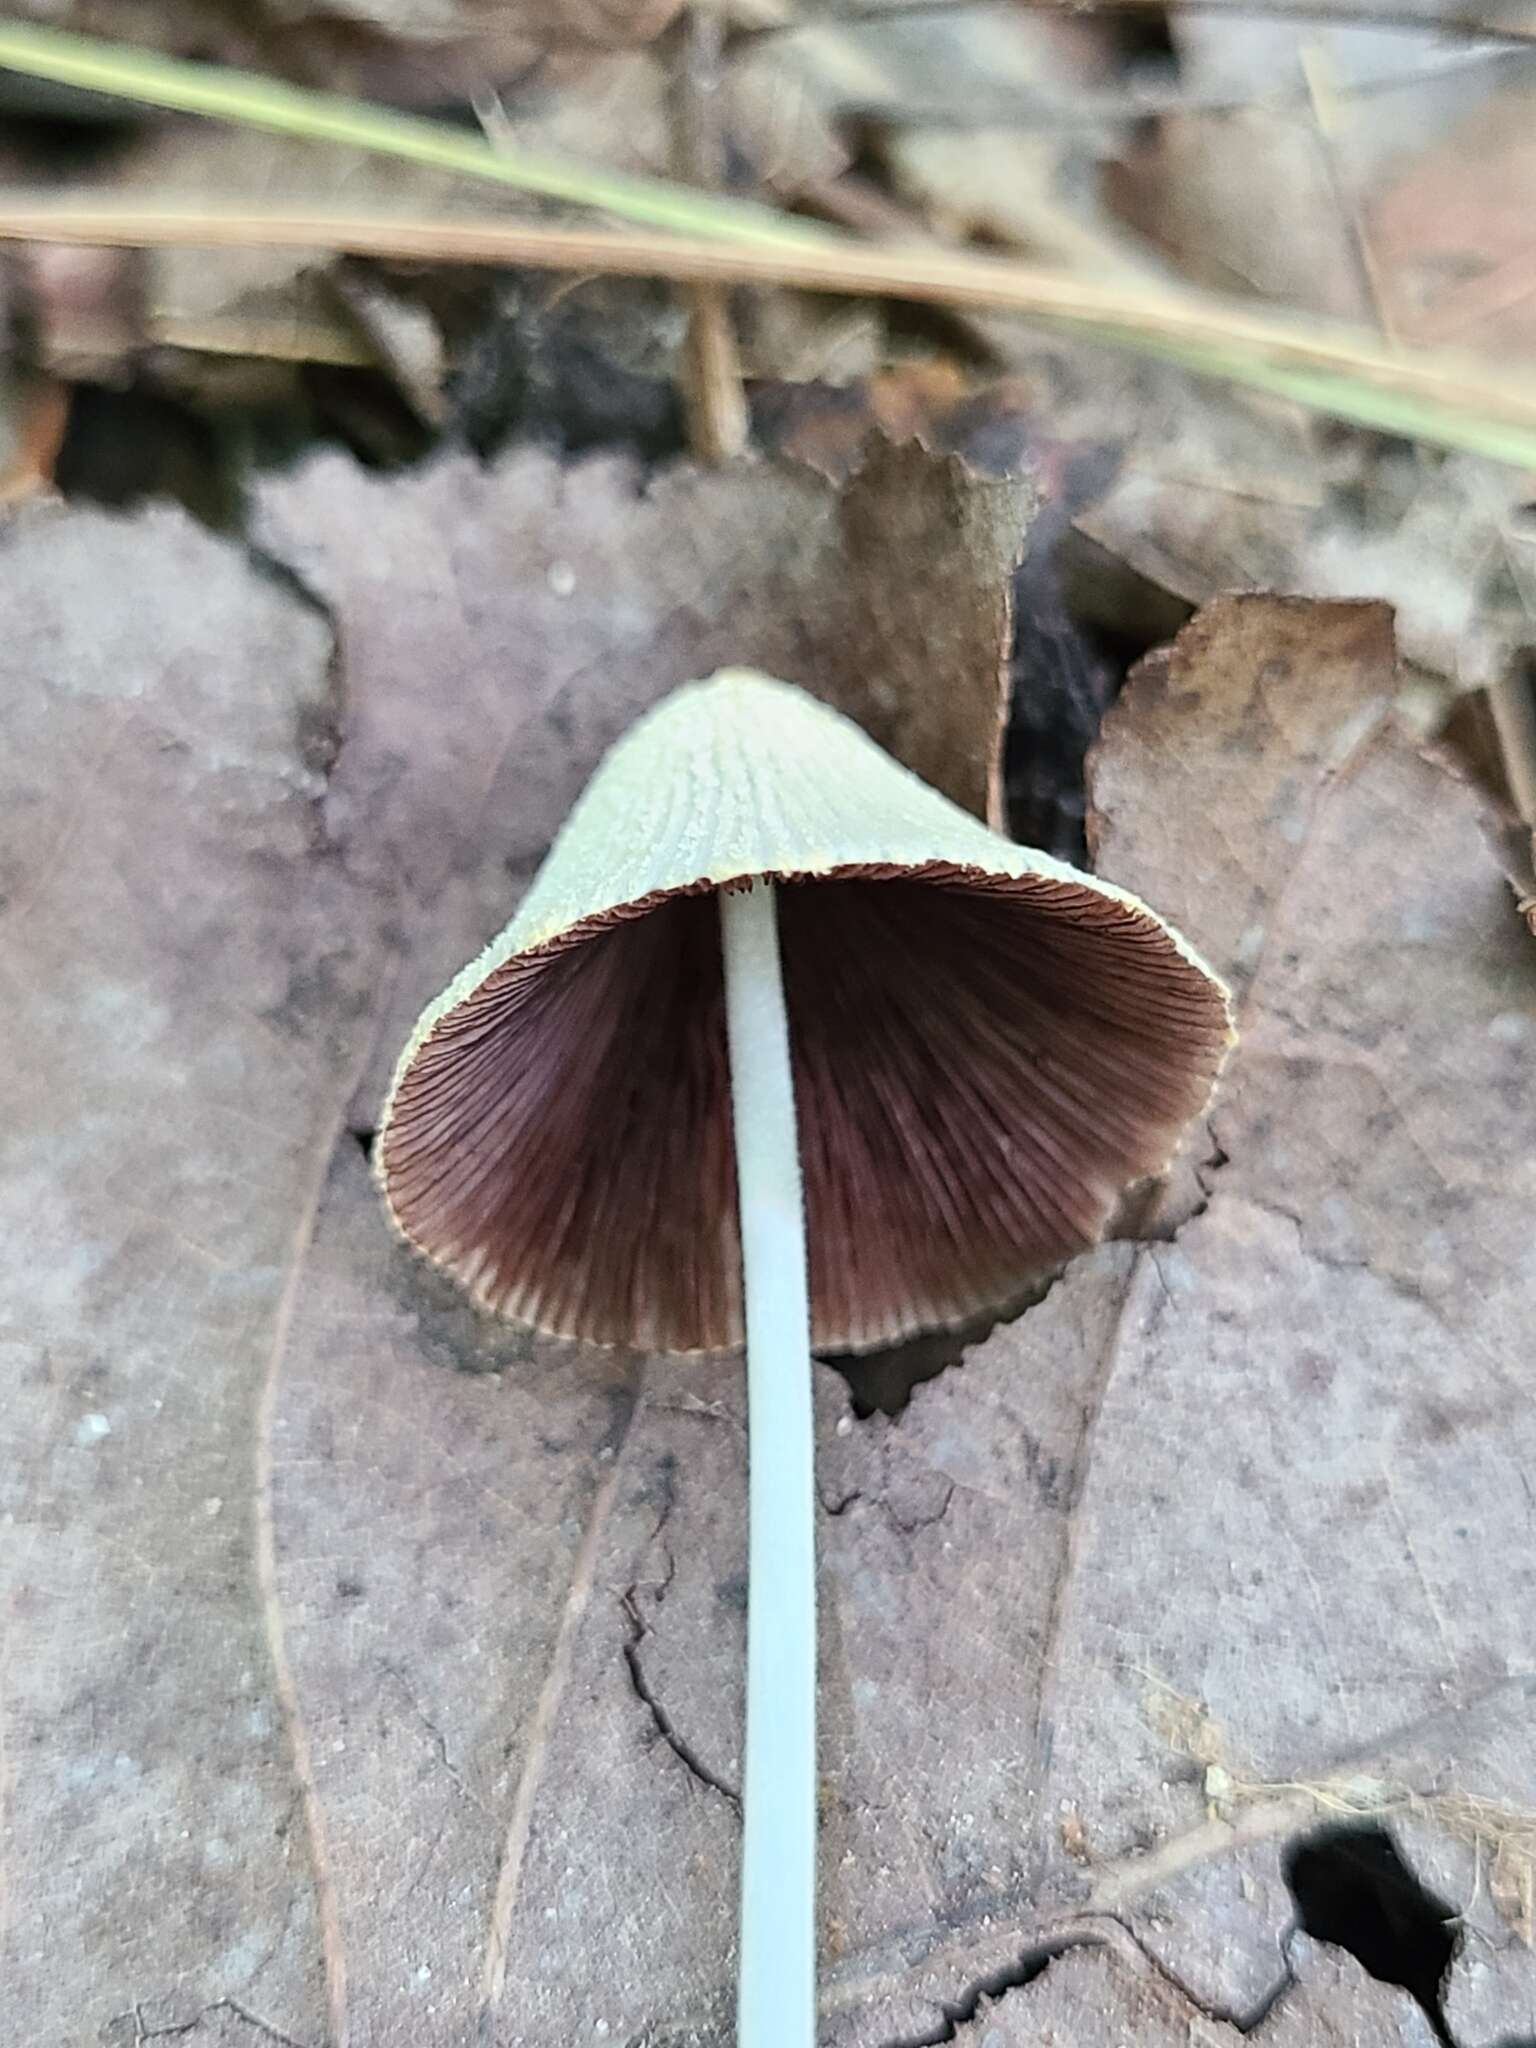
[(715, 399)]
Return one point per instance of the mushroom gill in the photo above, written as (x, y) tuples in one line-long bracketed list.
[(981, 1062)]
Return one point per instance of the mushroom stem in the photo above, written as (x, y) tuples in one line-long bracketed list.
[(776, 2002)]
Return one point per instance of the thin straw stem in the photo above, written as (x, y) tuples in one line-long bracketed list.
[(776, 2005), (1453, 401)]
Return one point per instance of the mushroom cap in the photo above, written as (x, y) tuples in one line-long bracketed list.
[(987, 1046)]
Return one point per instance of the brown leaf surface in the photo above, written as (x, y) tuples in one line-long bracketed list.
[(375, 1701), (1236, 669)]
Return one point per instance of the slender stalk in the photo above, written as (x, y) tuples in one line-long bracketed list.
[(776, 2004)]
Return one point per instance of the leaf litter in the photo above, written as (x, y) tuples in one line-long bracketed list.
[(372, 1708), (382, 1701)]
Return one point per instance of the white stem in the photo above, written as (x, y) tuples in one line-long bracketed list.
[(776, 2004)]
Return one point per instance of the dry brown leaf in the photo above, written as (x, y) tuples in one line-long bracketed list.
[(442, 1732), (1284, 689), (1330, 1436), (202, 934)]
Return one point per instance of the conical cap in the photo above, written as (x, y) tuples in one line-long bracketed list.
[(987, 1045)]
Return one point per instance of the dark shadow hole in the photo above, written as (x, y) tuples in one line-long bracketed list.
[(1144, 38), (57, 131), (881, 1382), (122, 446), (1081, 623), (546, 374), (1353, 1889), (364, 1139), (125, 444)]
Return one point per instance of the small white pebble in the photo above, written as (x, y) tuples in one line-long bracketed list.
[(845, 1425), (423, 1972), (601, 2030), (212, 1505), (90, 1429), (562, 581)]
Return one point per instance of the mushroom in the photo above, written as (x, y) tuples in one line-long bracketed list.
[(754, 919)]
